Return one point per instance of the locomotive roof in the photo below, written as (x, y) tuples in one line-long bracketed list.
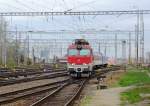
[(75, 46)]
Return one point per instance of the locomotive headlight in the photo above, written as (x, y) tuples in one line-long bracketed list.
[(73, 64), (84, 64)]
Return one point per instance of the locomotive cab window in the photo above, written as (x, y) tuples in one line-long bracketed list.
[(85, 52), (72, 52)]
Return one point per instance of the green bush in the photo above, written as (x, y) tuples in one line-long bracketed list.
[(11, 63)]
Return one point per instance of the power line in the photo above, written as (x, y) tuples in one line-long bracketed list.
[(26, 6), (37, 4), (81, 5), (131, 12), (11, 6)]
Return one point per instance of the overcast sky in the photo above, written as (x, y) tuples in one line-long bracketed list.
[(62, 5), (122, 22)]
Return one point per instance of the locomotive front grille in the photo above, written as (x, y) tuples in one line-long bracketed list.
[(78, 69), (86, 69), (71, 69)]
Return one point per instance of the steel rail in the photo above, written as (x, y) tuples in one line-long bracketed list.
[(12, 96), (70, 102), (50, 76), (25, 73), (43, 100)]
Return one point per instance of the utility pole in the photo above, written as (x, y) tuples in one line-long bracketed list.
[(2, 40), (33, 56), (61, 50), (116, 48), (99, 48), (105, 49), (16, 47), (129, 59), (1, 37), (137, 45), (5, 44), (28, 47), (24, 50), (3, 27), (124, 51)]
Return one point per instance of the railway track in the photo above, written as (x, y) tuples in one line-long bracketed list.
[(33, 78), (62, 96), (106, 70), (25, 73), (16, 95)]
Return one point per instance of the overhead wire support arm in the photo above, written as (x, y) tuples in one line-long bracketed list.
[(74, 13), (76, 32)]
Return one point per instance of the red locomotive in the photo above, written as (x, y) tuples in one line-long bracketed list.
[(81, 61)]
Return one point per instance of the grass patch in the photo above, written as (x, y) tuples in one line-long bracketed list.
[(116, 84), (133, 95), (138, 77), (134, 78), (86, 100)]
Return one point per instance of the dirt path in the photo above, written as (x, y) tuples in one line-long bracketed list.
[(107, 97)]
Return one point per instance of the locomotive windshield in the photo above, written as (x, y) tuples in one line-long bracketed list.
[(84, 52), (72, 52)]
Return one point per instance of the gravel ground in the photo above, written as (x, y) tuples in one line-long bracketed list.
[(28, 101), (21, 86)]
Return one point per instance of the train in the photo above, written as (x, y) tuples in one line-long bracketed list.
[(81, 61)]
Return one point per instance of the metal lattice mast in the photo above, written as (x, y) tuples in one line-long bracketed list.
[(142, 38), (137, 40)]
